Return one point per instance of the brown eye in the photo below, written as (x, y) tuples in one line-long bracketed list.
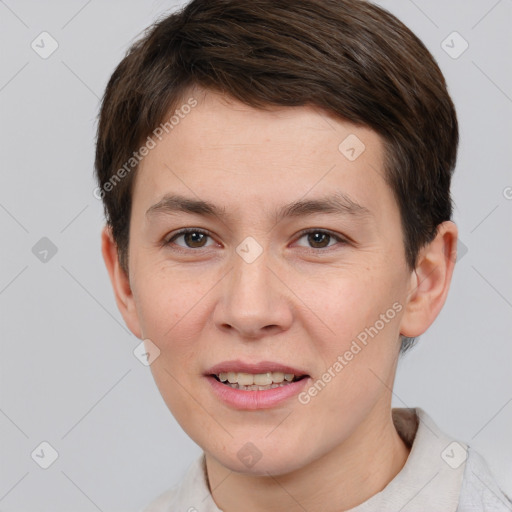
[(192, 238), (320, 239)]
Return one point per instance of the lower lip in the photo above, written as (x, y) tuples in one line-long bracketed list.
[(258, 399)]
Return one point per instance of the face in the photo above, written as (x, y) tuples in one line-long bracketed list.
[(292, 263)]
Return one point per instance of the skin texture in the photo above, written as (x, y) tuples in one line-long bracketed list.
[(301, 302)]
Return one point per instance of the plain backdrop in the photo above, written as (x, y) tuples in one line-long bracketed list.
[(68, 373)]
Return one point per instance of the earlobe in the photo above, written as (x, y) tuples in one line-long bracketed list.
[(120, 282), (430, 281)]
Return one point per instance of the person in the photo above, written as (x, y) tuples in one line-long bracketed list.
[(276, 182)]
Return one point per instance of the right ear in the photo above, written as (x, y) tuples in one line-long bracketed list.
[(120, 282)]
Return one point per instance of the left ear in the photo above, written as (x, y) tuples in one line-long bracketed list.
[(430, 281)]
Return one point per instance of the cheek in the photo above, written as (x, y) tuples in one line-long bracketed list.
[(171, 309), (347, 302)]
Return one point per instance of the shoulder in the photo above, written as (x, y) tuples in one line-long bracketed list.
[(479, 491)]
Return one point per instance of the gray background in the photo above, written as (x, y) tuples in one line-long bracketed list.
[(68, 374)]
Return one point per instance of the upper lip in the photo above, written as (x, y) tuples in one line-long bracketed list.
[(238, 366)]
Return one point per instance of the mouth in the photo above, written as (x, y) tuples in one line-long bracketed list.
[(260, 385), (257, 381)]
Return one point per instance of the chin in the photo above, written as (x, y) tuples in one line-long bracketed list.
[(250, 462)]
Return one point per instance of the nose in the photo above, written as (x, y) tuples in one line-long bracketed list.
[(253, 301)]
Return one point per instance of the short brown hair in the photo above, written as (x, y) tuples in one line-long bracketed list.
[(348, 57)]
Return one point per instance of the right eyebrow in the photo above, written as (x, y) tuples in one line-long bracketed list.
[(176, 203)]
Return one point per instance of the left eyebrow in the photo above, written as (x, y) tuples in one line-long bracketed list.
[(338, 204)]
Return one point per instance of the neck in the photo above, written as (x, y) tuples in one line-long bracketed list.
[(343, 478)]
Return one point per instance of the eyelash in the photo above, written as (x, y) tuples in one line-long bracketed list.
[(185, 231)]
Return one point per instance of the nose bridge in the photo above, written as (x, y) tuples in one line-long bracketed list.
[(253, 301), (250, 283)]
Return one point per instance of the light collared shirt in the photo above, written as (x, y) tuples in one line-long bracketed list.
[(439, 475)]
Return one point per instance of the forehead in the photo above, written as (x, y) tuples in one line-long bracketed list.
[(226, 152)]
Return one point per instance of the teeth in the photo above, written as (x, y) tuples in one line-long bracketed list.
[(245, 379), (278, 377), (255, 380), (255, 388), (261, 379)]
